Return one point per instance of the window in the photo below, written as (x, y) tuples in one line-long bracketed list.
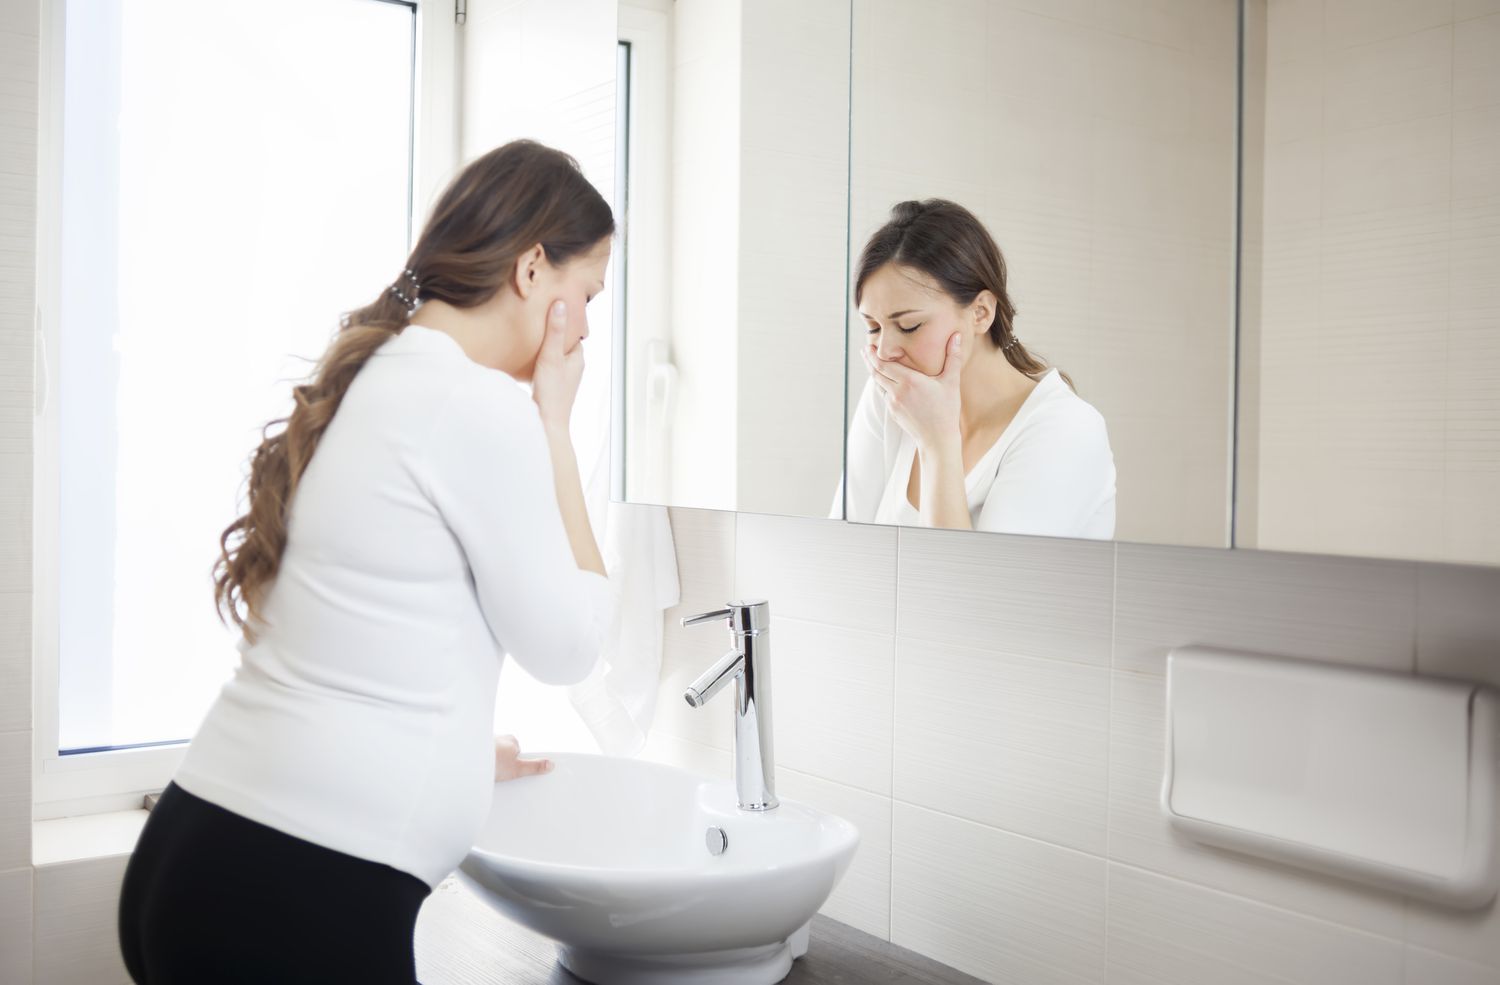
[(235, 176)]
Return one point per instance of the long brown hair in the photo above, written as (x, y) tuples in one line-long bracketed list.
[(501, 205), (948, 243)]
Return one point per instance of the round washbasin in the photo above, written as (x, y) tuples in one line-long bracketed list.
[(645, 873)]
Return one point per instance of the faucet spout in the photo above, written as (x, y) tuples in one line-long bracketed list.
[(713, 680)]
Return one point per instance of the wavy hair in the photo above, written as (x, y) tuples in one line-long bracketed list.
[(501, 205), (948, 243)]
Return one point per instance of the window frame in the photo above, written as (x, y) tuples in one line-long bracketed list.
[(117, 779)]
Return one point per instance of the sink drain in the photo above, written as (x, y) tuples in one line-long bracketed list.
[(717, 841)]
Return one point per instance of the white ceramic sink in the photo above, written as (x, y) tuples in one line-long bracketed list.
[(610, 857)]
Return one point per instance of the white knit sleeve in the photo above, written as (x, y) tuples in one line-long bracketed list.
[(489, 472)]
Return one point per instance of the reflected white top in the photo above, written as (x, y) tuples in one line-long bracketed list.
[(1051, 471), (424, 543)]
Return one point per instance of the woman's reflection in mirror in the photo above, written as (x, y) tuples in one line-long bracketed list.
[(959, 425)]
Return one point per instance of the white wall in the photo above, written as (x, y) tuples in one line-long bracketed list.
[(705, 209), (758, 267), (1380, 318), (988, 710), (794, 178), (1096, 141)]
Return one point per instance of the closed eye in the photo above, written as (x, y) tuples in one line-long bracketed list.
[(908, 331)]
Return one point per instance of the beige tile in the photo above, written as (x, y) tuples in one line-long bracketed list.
[(996, 905), (15, 925), (841, 574), (1141, 86), (1388, 81), (1016, 596), (15, 799), (1355, 22), (1425, 967), (1164, 24), (1010, 742), (1476, 186), (863, 898), (15, 518), (1294, 31), (1465, 9), (1320, 608), (1389, 167), (1476, 62), (832, 694), (1139, 834), (1470, 935), (1294, 101), (1040, 59), (1472, 533), (1458, 622), (77, 934), (15, 661), (1166, 932)]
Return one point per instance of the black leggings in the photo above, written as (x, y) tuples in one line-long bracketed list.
[(213, 897)]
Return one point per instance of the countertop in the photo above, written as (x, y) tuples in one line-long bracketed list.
[(461, 940)]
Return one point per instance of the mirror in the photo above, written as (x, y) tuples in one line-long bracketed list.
[(1370, 325), (734, 131), (1069, 171)]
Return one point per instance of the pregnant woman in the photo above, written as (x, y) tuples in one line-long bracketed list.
[(959, 425), (418, 517)]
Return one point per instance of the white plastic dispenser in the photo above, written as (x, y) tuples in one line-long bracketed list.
[(1383, 778)]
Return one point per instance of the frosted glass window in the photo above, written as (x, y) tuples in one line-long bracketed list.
[(236, 175)]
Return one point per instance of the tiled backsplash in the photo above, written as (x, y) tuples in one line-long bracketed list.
[(989, 711)]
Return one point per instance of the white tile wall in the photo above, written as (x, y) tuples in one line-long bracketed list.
[(994, 904), (15, 925), (1020, 837), (15, 799), (77, 929), (1165, 932)]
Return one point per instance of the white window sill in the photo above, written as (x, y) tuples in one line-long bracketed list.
[(89, 836)]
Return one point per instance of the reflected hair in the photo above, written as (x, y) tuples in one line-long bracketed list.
[(501, 205), (948, 243)]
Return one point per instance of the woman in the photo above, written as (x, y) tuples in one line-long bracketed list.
[(419, 516), (959, 425)]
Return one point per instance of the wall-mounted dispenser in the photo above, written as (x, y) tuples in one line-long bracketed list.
[(1388, 779)]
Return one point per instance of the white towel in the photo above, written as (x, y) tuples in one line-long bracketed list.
[(618, 700)]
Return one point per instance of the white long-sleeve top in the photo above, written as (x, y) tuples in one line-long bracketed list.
[(424, 543), (1051, 471)]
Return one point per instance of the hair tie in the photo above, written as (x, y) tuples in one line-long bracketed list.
[(416, 289), (1011, 343)]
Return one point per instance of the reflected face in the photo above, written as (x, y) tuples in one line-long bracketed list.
[(910, 318)]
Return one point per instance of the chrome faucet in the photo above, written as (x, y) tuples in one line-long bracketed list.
[(748, 664)]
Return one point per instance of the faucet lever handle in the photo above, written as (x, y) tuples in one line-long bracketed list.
[(707, 617)]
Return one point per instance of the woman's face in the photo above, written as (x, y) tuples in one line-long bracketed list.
[(575, 283), (910, 318)]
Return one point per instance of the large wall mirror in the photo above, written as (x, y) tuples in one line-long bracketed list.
[(1189, 309), (1053, 184)]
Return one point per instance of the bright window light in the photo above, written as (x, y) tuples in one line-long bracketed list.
[(235, 175)]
